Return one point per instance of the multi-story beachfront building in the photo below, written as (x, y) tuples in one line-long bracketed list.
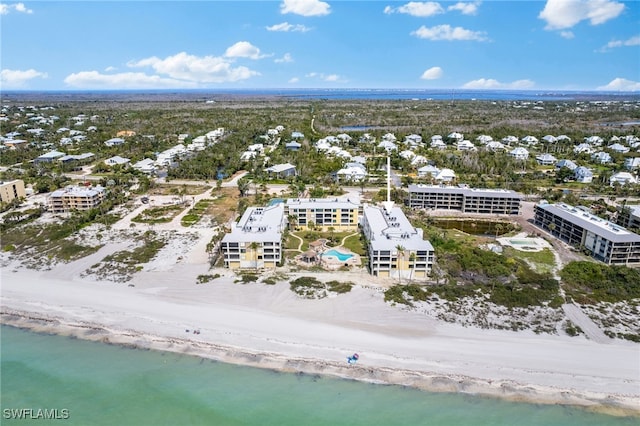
[(629, 217), (341, 214), (255, 241), (75, 198), (466, 200), (605, 241), (12, 190), (395, 248)]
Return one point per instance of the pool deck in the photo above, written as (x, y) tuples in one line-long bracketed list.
[(523, 243)]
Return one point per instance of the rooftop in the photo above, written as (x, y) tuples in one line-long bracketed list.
[(258, 224), (391, 228), (465, 191), (592, 223)]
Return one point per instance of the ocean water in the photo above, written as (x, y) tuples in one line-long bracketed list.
[(91, 383), (211, 95)]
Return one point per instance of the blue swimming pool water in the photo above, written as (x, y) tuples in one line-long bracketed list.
[(335, 253)]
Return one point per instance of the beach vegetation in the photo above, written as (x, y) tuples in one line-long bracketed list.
[(206, 278), (312, 288), (246, 278), (589, 282)]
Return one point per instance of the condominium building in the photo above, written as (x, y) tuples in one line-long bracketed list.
[(75, 198), (467, 200), (395, 248), (629, 217), (12, 190), (605, 241), (341, 214), (255, 241)]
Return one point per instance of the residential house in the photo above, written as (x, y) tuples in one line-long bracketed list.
[(114, 142), (293, 146), (281, 170), (519, 153), (619, 148), (546, 159), (428, 171), (147, 166), (49, 157), (622, 178), (495, 146), (601, 157), (388, 145), (351, 172), (632, 163), (465, 145), (117, 161), (583, 148), (445, 176), (566, 163), (583, 175)]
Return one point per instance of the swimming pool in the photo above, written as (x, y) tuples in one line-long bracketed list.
[(340, 256), (522, 242)]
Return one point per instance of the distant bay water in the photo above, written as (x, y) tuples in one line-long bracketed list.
[(89, 383), (211, 95)]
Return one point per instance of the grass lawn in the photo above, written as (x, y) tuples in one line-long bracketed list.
[(542, 261)]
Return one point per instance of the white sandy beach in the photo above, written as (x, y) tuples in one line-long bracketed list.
[(269, 326)]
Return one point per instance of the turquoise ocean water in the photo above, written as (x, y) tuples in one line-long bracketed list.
[(101, 384)]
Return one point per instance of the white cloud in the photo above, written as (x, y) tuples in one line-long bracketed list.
[(305, 7), (466, 8), (567, 34), (285, 59), (633, 41), (622, 84), (446, 32), (5, 9), (432, 73), (110, 69), (243, 49), (294, 80), (18, 78), (125, 80), (419, 9), (287, 27), (205, 69), (489, 83), (326, 77), (561, 14)]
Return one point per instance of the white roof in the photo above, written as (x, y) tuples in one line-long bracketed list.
[(390, 229), (258, 224), (277, 168)]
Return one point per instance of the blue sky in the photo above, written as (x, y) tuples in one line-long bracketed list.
[(538, 45)]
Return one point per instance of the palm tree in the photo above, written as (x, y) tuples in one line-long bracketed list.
[(243, 186), (412, 259), (401, 251), (254, 248)]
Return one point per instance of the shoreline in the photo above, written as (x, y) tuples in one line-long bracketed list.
[(509, 390)]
